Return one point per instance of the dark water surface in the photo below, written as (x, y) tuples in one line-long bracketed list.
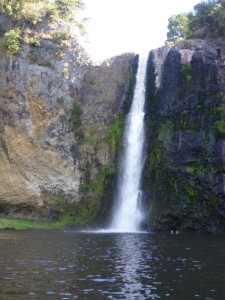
[(71, 265)]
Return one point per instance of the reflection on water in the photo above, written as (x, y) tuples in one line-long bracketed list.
[(71, 265), (131, 266)]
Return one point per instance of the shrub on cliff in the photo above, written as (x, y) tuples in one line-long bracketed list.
[(66, 7), (34, 10), (75, 119), (61, 34), (25, 15), (12, 41)]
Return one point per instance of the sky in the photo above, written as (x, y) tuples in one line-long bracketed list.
[(120, 26)]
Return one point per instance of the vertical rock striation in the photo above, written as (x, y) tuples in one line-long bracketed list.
[(44, 159), (61, 122), (184, 170)]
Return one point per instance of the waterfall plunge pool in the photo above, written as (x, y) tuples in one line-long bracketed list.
[(45, 264)]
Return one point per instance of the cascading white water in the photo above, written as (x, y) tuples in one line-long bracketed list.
[(127, 214)]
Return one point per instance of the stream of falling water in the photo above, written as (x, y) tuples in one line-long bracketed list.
[(127, 213)]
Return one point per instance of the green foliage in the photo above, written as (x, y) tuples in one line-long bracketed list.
[(208, 16), (34, 39), (67, 6), (75, 119), (15, 223), (82, 29), (58, 51), (190, 190), (220, 123), (9, 6), (91, 208), (115, 131), (28, 10), (35, 11), (12, 41), (180, 182), (178, 27), (220, 126), (93, 134), (84, 213), (207, 20), (97, 185), (61, 34), (1, 31), (8, 9), (69, 213)]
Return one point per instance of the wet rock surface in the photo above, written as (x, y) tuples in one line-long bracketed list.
[(184, 170)]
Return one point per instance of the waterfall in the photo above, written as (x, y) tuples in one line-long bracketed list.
[(127, 213)]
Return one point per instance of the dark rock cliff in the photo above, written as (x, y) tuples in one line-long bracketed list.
[(184, 170)]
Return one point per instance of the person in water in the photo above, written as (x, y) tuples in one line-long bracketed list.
[(174, 231)]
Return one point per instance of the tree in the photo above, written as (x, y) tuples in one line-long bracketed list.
[(16, 7), (202, 15), (28, 13), (206, 21), (12, 41), (67, 6), (178, 27)]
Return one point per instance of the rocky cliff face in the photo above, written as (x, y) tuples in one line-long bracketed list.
[(56, 109), (184, 171), (61, 122)]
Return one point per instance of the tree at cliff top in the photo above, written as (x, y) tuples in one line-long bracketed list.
[(34, 10), (26, 14), (207, 21), (178, 27)]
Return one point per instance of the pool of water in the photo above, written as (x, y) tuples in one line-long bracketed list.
[(71, 265)]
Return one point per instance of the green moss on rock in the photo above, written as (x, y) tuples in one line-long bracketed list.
[(182, 174)]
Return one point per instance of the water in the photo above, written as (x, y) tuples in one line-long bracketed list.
[(127, 213), (71, 265)]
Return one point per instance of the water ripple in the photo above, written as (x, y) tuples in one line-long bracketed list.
[(110, 266)]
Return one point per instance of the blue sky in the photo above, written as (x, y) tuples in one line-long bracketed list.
[(119, 26)]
